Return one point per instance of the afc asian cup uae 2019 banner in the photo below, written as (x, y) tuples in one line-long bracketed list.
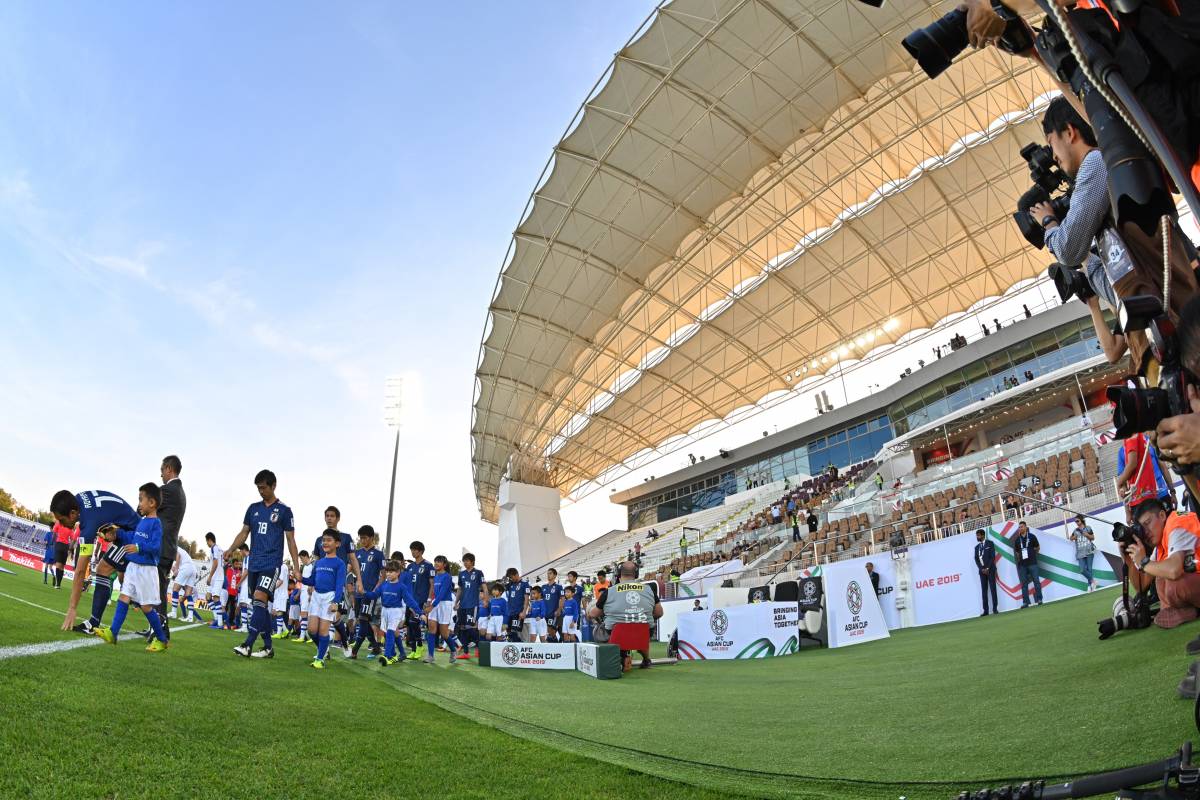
[(520, 655), (854, 614), (757, 630)]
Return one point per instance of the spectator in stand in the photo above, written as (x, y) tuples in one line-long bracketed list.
[(879, 481), (795, 526), (1025, 551), (813, 522), (683, 544), (637, 549), (776, 514), (1085, 549), (985, 563), (874, 576)]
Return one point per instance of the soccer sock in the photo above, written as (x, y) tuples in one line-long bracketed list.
[(103, 585), (175, 602), (431, 642), (278, 625), (45, 574), (322, 645), (371, 635), (453, 644), (155, 624), (389, 649), (343, 634), (259, 623), (245, 616), (119, 617), (304, 627), (58, 576)]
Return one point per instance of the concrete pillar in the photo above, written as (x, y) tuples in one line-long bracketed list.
[(531, 530)]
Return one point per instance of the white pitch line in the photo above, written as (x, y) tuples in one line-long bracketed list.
[(45, 648)]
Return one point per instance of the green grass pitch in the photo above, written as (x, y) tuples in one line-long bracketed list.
[(920, 715)]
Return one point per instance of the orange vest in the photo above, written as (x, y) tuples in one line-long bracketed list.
[(1188, 522)]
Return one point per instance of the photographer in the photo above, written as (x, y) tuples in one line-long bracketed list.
[(1174, 537), (1178, 437)]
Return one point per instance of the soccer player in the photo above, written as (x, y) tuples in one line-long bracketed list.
[(243, 589), (395, 596), (328, 579), (497, 613), (139, 551), (184, 573), (536, 616), (48, 557), (552, 597), (419, 574), (279, 599), (217, 596), (91, 510), (439, 611), (470, 594), (370, 561), (570, 613), (306, 568), (516, 596), (267, 524), (345, 551)]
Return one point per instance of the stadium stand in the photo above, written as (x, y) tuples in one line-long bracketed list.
[(1029, 476), (21, 534)]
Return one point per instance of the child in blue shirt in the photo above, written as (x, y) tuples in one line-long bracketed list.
[(537, 615), (328, 579), (497, 614), (139, 584), (396, 596), (569, 615), (440, 611)]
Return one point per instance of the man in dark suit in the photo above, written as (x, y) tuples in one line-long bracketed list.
[(985, 562), (170, 513)]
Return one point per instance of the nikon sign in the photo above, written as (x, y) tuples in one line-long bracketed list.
[(515, 655), (755, 630)]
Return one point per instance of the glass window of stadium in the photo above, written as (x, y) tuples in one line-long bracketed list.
[(1042, 354)]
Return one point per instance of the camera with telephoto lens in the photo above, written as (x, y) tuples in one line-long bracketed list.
[(1050, 185), (1133, 613), (936, 45), (1139, 410)]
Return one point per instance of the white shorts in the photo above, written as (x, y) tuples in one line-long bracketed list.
[(187, 577), (305, 599), (279, 600), (319, 607), (293, 613), (443, 613), (141, 585), (392, 619), (216, 582), (495, 625), (244, 593), (537, 626), (568, 626)]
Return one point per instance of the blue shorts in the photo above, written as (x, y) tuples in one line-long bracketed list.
[(261, 582), (466, 617)]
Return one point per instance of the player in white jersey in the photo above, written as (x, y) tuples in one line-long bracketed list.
[(278, 604), (184, 584), (217, 596)]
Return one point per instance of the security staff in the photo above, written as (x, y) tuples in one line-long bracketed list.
[(985, 562), (1025, 550)]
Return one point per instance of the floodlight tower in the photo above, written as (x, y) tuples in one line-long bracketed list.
[(393, 397)]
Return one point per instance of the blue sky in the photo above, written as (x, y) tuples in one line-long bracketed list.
[(222, 226)]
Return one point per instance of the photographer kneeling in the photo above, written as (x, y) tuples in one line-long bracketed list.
[(625, 611), (1175, 538)]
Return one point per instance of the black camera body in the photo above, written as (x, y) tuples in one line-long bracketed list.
[(1139, 410), (1135, 614), (1128, 535), (1050, 185)]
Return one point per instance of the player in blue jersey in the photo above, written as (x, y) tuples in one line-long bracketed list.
[(419, 574), (394, 594), (439, 611), (516, 595), (552, 597), (570, 615), (466, 605), (535, 617), (92, 511), (47, 556), (139, 551), (345, 551), (497, 614), (328, 579), (370, 561), (268, 524)]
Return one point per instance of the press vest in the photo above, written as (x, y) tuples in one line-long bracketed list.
[(628, 602), (1188, 522)]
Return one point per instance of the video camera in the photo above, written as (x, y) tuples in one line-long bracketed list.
[(1050, 185), (1141, 409)]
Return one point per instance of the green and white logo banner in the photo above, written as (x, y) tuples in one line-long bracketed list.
[(757, 630), (515, 655), (853, 608), (598, 660)]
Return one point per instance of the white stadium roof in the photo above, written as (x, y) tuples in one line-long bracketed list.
[(752, 188)]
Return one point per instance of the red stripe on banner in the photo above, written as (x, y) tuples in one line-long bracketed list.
[(24, 559), (689, 651)]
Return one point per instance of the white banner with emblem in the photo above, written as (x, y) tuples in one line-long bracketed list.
[(757, 630), (854, 613), (513, 655)]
